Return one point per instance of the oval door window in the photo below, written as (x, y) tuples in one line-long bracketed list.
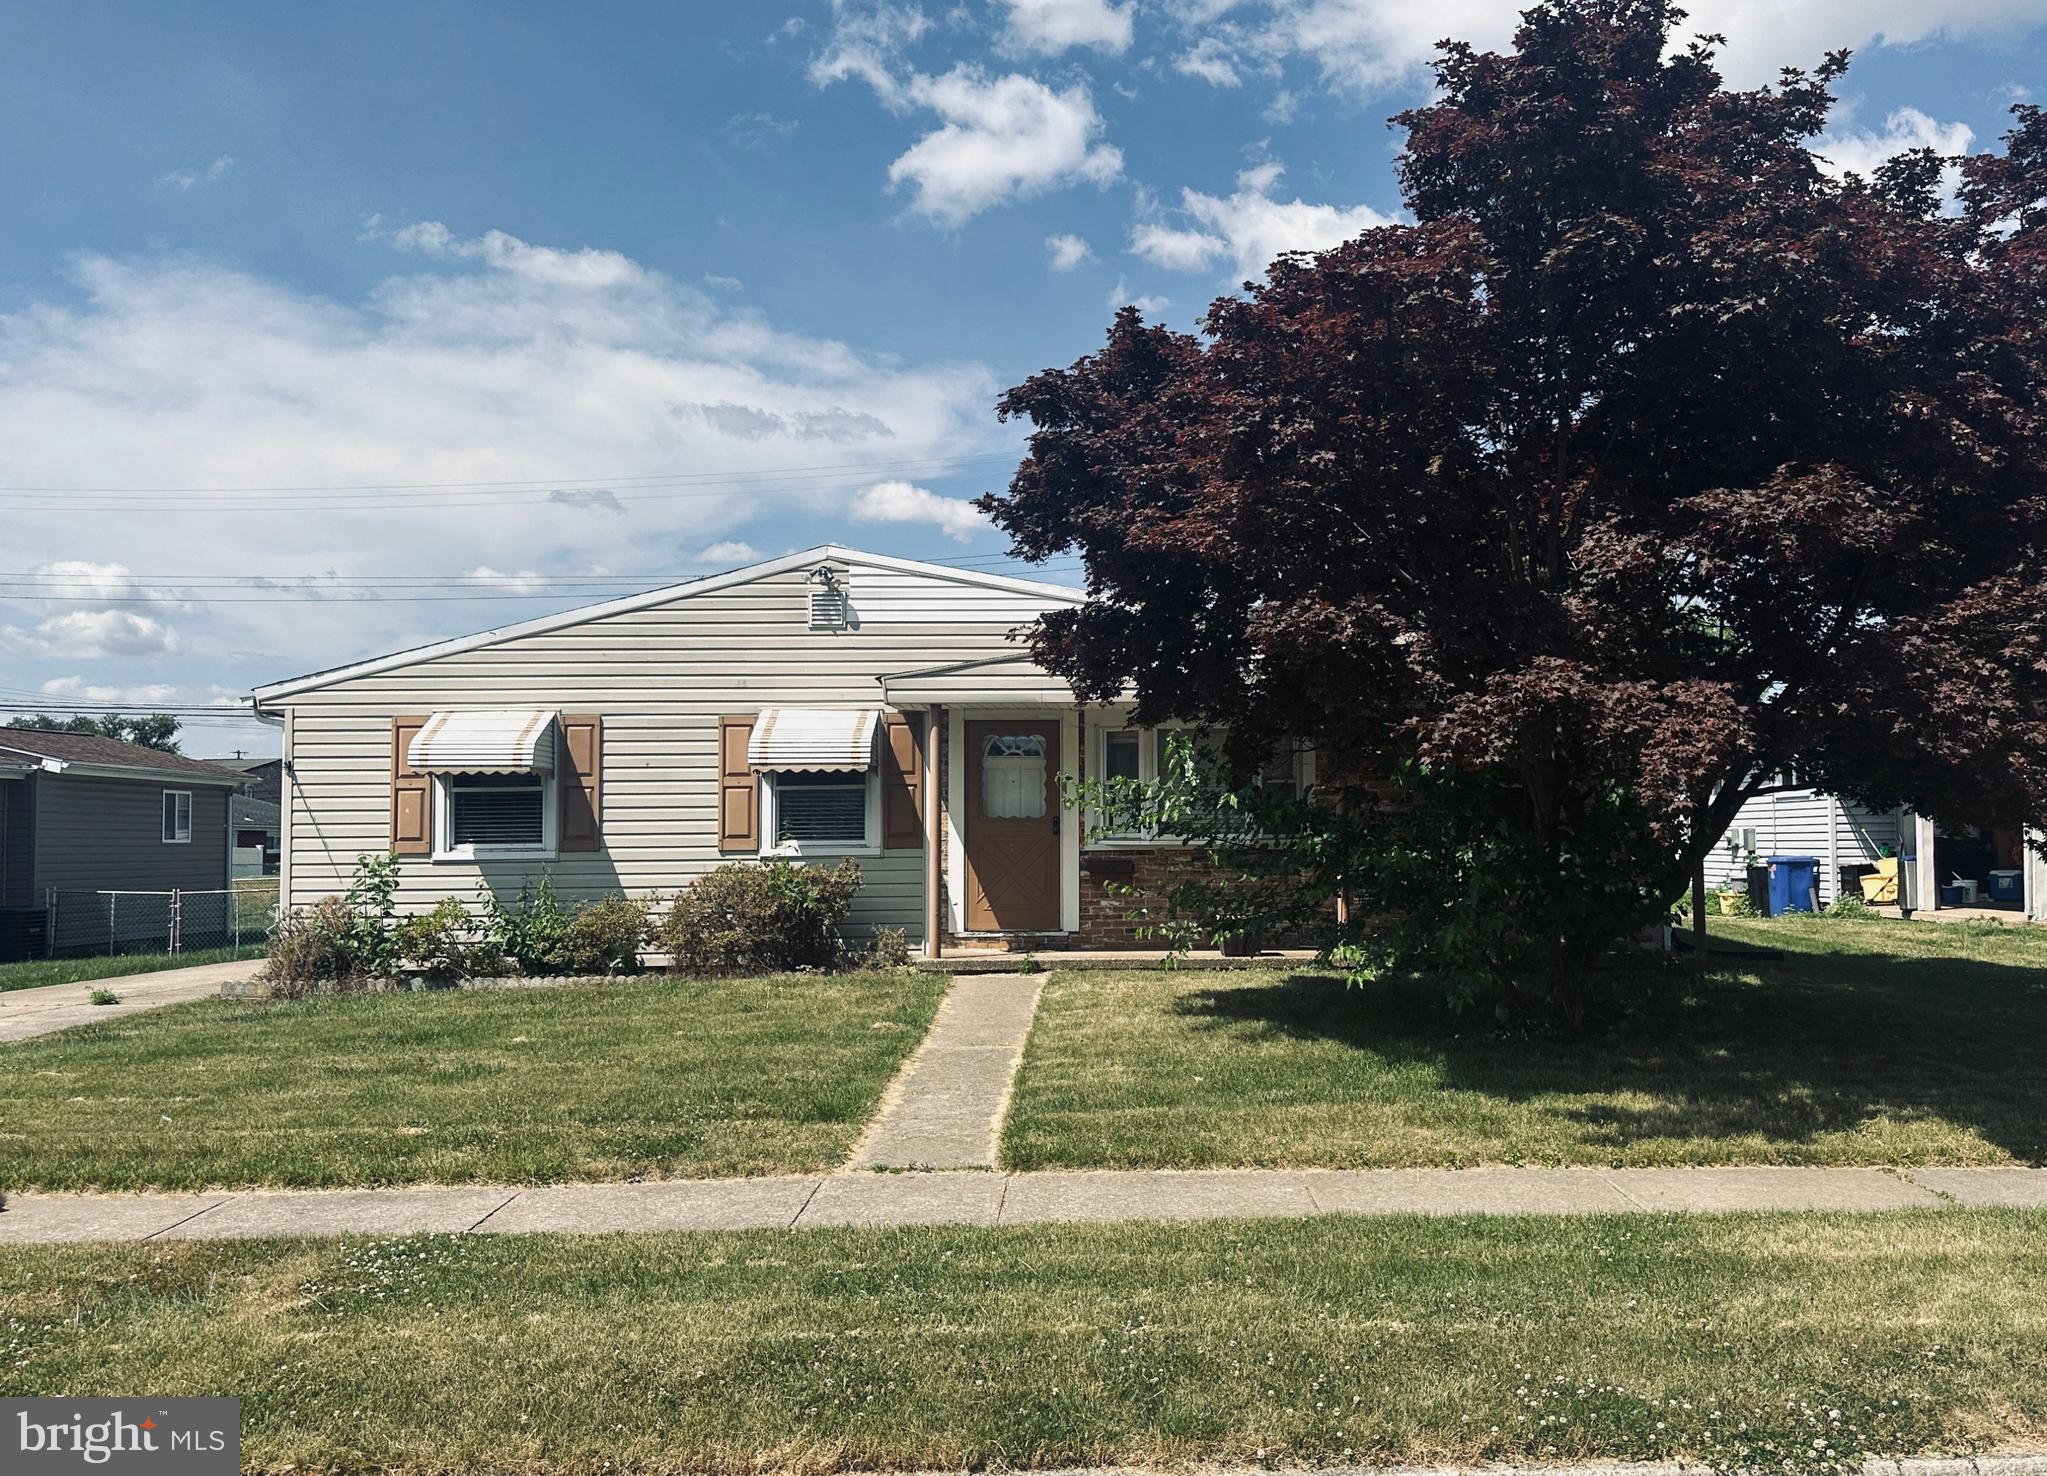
[(1013, 776)]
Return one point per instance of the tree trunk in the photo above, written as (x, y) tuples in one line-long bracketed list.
[(1699, 920)]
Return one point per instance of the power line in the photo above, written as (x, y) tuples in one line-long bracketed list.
[(544, 484)]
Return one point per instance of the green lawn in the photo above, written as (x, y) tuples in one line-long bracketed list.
[(37, 972), (654, 1078), (1266, 1343), (1872, 1042)]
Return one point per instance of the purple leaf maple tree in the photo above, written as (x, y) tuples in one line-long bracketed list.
[(1647, 458)]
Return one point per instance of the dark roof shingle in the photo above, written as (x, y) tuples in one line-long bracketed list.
[(90, 748)]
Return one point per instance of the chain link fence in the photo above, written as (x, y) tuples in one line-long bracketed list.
[(116, 921)]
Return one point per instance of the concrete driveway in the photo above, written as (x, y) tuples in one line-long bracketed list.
[(25, 1013)]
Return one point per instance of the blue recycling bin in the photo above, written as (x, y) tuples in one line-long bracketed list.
[(1791, 884)]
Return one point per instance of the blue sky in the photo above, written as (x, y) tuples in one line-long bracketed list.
[(548, 300)]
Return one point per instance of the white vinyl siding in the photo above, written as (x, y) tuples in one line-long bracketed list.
[(660, 677), (1795, 822)]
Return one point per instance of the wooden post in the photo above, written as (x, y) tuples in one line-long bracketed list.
[(934, 871)]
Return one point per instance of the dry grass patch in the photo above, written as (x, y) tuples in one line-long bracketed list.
[(654, 1078), (1322, 1341)]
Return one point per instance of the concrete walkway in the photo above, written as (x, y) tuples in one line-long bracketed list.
[(945, 1110), (25, 1013), (987, 1199)]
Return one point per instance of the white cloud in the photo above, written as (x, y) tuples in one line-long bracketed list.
[(83, 579), (88, 634), (867, 43), (1120, 297), (1248, 228), (189, 179), (1860, 151), (1362, 46), (588, 268), (902, 502), (728, 554), (1209, 59), (1066, 252), (78, 689), (526, 581), (480, 360), (1003, 138), (1048, 27)]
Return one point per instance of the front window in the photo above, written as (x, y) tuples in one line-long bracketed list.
[(177, 817), (1142, 755), (826, 807), (497, 811)]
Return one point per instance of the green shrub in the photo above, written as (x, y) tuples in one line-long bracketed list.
[(890, 949), (602, 937), (103, 996), (1851, 907), (761, 916), (311, 951), (548, 936), (442, 944)]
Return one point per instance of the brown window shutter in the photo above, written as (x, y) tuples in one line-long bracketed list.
[(739, 827), (902, 783), (412, 794), (581, 784)]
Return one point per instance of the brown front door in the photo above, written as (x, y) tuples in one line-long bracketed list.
[(1012, 827)]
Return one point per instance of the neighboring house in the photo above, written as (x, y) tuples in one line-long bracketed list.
[(253, 814), (783, 709), (1796, 820), (264, 777), (81, 814), (256, 835)]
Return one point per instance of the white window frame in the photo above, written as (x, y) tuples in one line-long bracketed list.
[(444, 825), (184, 797), (1148, 772), (868, 845)]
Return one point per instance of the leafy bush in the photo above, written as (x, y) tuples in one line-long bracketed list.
[(755, 916), (1734, 903), (1851, 907), (602, 937), (890, 949), (311, 951), (546, 935), (441, 943), (339, 942), (103, 996)]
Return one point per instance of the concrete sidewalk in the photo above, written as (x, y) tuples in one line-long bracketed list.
[(988, 1199), (945, 1109), (26, 1013)]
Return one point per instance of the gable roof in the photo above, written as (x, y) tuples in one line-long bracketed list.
[(767, 568), (92, 752)]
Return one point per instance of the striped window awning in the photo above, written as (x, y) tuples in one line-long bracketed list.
[(490, 741), (813, 738)]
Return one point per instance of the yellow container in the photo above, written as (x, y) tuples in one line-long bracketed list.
[(1882, 885)]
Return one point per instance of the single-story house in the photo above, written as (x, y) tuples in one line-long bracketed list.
[(1996, 863), (82, 815), (824, 704)]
